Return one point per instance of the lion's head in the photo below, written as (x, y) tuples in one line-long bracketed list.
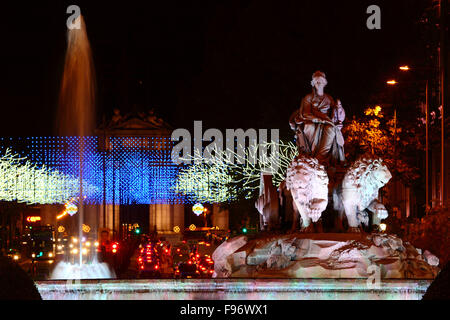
[(367, 175), (308, 182)]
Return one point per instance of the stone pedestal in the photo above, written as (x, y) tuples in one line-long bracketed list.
[(323, 255), (111, 215)]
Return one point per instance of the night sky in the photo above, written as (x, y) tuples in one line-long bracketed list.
[(229, 63)]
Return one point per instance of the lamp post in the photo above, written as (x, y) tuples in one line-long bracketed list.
[(443, 12), (427, 193), (393, 83)]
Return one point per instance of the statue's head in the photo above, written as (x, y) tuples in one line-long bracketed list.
[(380, 174), (319, 81)]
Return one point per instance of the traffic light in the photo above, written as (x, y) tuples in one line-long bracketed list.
[(137, 231), (244, 230), (115, 246)]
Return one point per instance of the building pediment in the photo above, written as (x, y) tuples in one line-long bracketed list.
[(136, 123), (140, 123)]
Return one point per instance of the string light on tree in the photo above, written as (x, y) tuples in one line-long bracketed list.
[(219, 179)]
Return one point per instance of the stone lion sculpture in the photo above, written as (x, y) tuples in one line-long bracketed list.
[(358, 192), (308, 182)]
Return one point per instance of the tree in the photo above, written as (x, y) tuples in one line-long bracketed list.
[(385, 137)]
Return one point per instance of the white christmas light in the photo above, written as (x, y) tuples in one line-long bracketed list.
[(22, 181), (219, 179)]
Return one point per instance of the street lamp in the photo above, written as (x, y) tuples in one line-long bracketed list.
[(427, 196), (391, 82)]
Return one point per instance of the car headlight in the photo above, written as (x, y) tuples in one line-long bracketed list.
[(33, 255), (50, 254), (16, 257)]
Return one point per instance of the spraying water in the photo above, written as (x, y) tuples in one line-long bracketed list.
[(76, 118), (77, 96)]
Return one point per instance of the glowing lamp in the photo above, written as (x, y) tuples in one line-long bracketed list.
[(61, 229), (71, 209), (404, 68), (391, 82), (176, 229), (198, 209), (192, 227), (383, 227), (33, 219)]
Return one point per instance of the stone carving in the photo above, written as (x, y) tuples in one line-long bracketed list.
[(151, 118), (288, 211), (359, 191), (308, 182), (317, 174), (267, 204), (134, 120), (318, 124), (117, 117), (223, 266), (332, 256), (430, 258)]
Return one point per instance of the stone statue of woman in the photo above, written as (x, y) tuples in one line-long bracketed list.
[(318, 124)]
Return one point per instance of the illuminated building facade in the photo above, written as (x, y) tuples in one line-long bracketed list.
[(127, 172)]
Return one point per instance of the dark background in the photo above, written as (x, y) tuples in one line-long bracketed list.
[(229, 63)]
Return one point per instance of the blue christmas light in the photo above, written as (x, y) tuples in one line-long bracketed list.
[(126, 170)]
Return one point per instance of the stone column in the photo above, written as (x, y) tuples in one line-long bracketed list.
[(220, 217), (160, 217), (163, 217), (109, 217), (178, 216)]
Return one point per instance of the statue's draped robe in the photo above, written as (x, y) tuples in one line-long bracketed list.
[(318, 125)]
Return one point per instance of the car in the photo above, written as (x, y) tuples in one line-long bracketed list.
[(180, 253), (14, 254), (206, 266), (42, 243), (188, 269), (149, 262)]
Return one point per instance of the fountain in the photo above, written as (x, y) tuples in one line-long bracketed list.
[(76, 118)]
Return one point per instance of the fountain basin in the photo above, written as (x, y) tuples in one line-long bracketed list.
[(232, 289)]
